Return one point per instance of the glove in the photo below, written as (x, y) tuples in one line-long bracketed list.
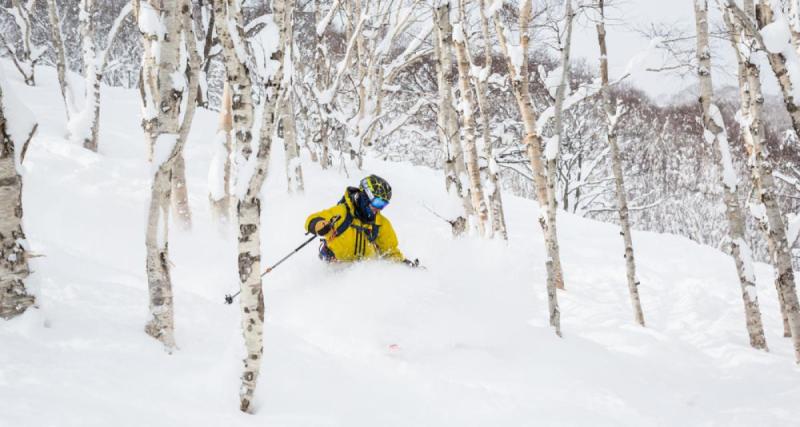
[(322, 228), (412, 264)]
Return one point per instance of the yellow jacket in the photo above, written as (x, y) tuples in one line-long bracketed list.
[(353, 239)]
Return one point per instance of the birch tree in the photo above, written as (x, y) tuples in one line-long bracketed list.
[(84, 123), (553, 144), (24, 53), (448, 129), (14, 269), (219, 174), (164, 102), (517, 64), (774, 37), (466, 105), (717, 134), (294, 169), (61, 59), (491, 170), (251, 170), (764, 205), (612, 116), (322, 78)]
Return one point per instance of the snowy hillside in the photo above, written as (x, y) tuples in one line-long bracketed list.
[(464, 342)]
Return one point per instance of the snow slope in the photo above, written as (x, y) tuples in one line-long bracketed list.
[(472, 343)]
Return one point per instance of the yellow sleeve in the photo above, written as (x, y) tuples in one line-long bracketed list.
[(327, 214), (387, 242)]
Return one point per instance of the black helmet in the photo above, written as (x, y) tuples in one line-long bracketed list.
[(374, 186)]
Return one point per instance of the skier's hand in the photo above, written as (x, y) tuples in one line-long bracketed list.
[(322, 228)]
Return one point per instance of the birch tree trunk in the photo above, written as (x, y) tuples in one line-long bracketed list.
[(14, 297), (492, 170), (251, 177), (180, 193), (322, 74), (160, 22), (228, 15), (616, 166), (765, 207), (715, 130), (552, 146), (518, 72), (468, 127), (61, 60), (778, 61), (294, 170), (87, 128), (84, 125), (220, 172), (447, 119)]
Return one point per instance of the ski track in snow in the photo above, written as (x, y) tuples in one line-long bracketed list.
[(474, 345)]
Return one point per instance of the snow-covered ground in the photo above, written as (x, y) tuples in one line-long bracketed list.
[(463, 343)]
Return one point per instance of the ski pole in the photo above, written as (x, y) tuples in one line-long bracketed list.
[(229, 298)]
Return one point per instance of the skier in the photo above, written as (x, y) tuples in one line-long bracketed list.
[(355, 229)]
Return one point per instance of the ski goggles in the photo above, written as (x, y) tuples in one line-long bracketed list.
[(378, 203)]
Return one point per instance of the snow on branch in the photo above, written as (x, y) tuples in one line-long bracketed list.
[(112, 35), (323, 24), (326, 96)]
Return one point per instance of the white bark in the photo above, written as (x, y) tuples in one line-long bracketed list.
[(616, 166), (715, 129), (447, 119), (518, 73), (322, 74), (180, 192), (228, 15), (160, 22), (61, 60), (552, 147), (249, 209), (220, 173), (466, 104), (778, 60), (14, 297), (84, 125), (294, 170), (490, 170), (772, 222)]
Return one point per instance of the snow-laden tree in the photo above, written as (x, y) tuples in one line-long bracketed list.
[(25, 53), (84, 120), (490, 169), (17, 127), (252, 162), (517, 63), (447, 125), (57, 41), (168, 104), (716, 133), (767, 29), (764, 205), (467, 106)]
